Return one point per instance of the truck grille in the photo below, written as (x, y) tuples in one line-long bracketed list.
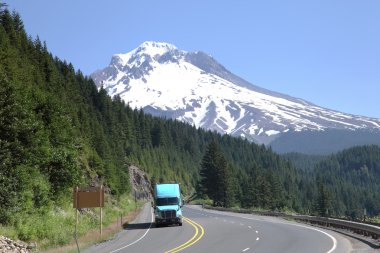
[(168, 214)]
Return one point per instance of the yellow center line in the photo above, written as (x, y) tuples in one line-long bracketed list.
[(189, 241), (193, 240)]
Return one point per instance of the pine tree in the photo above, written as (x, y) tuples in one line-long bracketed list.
[(324, 202), (225, 183), (216, 179), (208, 172)]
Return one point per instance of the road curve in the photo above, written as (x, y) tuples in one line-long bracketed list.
[(213, 231)]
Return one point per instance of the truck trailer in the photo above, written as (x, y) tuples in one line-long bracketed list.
[(167, 204)]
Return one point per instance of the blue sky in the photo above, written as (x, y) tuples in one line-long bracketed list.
[(323, 51)]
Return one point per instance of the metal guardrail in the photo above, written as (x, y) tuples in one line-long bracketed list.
[(357, 227)]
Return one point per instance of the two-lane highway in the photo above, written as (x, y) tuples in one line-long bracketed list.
[(213, 231), (231, 232), (143, 236)]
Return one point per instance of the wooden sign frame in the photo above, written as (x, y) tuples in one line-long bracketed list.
[(89, 197)]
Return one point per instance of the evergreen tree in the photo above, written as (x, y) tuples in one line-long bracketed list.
[(216, 180), (324, 201), (209, 172), (224, 183)]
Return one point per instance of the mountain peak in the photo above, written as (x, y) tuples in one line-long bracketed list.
[(193, 87), (153, 48), (157, 46), (148, 50)]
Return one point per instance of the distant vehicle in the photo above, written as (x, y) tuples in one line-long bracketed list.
[(167, 204)]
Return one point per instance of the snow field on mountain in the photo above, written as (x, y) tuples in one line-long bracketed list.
[(171, 80)]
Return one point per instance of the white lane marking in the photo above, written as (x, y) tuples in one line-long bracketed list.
[(137, 239), (318, 230), (241, 224), (232, 222), (311, 228), (257, 238), (249, 227), (257, 232), (244, 250), (331, 237)]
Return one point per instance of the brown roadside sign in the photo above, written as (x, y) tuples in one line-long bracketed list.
[(88, 197)]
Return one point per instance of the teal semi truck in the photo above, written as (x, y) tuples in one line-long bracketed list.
[(167, 204)]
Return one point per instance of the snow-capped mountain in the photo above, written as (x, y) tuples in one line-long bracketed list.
[(194, 88)]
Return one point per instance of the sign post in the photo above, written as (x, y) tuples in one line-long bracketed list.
[(101, 198), (77, 217)]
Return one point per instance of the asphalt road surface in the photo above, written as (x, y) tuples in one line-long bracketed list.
[(207, 231)]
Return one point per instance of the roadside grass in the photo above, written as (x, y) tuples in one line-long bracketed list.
[(375, 220), (55, 227), (209, 202), (201, 202)]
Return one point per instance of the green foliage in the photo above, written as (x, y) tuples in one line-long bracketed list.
[(303, 161), (55, 226), (216, 177), (209, 172), (263, 189), (17, 130), (352, 179), (324, 201), (375, 220)]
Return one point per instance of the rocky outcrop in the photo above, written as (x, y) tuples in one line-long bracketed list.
[(9, 246), (140, 183)]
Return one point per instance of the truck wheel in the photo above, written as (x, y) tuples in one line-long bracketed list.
[(157, 225), (180, 224)]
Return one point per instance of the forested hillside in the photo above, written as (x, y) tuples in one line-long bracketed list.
[(351, 181), (303, 161), (57, 130)]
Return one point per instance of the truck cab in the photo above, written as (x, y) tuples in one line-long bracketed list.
[(167, 204)]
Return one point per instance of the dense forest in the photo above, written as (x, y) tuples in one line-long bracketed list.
[(351, 180), (303, 161), (57, 130)]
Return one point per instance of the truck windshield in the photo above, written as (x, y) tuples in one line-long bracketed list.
[(167, 201)]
